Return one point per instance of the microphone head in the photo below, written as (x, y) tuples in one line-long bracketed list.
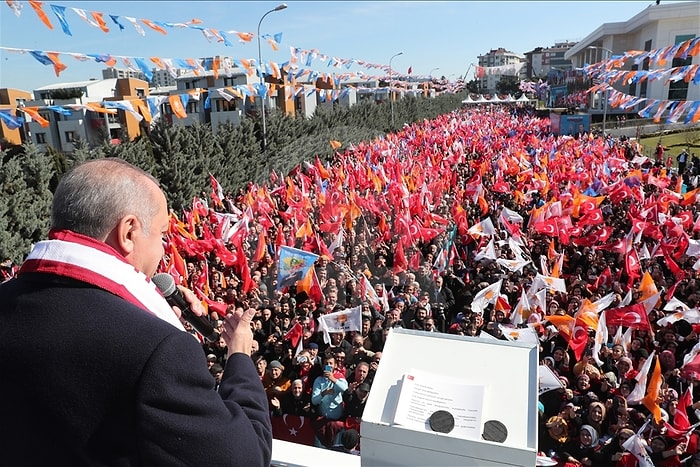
[(165, 283)]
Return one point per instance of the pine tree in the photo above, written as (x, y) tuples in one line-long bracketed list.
[(25, 202)]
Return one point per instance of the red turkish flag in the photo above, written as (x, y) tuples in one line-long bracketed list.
[(680, 420), (548, 227), (294, 429), (633, 316), (603, 234), (579, 338), (594, 217), (400, 262), (294, 334), (632, 266)]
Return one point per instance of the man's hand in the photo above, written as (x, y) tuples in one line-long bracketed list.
[(237, 333), (195, 305)]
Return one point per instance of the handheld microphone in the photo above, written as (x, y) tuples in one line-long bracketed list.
[(166, 284)]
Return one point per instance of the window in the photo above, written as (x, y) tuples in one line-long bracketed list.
[(679, 89), (633, 85), (192, 107), (41, 138), (222, 105), (645, 66), (140, 92), (229, 81), (70, 136)]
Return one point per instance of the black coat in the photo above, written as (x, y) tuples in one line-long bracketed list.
[(90, 379)]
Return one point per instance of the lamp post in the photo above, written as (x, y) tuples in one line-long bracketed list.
[(260, 70), (391, 100), (431, 72), (605, 93)]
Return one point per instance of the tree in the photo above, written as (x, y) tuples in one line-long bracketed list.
[(25, 202), (508, 85)]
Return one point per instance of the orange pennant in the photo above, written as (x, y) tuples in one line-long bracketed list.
[(154, 26), (34, 113), (100, 20), (176, 105), (38, 8), (58, 67)]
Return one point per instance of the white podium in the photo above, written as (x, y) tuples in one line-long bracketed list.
[(506, 370)]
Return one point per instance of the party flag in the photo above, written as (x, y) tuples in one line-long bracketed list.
[(39, 10), (293, 266)]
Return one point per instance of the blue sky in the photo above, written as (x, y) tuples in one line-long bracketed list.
[(444, 35)]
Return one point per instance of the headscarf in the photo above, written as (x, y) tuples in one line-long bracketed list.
[(592, 431), (555, 422)]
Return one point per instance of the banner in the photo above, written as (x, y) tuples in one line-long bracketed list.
[(346, 320), (293, 266)]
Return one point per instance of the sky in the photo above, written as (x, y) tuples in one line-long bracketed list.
[(447, 35)]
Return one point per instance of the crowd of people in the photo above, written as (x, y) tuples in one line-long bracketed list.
[(431, 216)]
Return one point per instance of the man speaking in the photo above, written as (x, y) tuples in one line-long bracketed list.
[(96, 368)]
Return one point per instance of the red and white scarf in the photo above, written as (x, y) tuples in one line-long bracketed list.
[(79, 257)]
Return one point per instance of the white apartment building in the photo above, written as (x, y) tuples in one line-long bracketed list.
[(655, 27), (108, 73), (494, 58), (63, 130), (540, 61)]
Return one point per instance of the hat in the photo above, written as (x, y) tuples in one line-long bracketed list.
[(211, 357), (276, 364), (363, 387), (312, 345)]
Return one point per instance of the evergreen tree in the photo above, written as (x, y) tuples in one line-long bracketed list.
[(25, 202)]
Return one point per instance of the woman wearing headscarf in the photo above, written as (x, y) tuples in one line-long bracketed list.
[(553, 435), (612, 454), (663, 454), (583, 449), (595, 417)]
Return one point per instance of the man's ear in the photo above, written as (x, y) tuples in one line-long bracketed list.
[(122, 236)]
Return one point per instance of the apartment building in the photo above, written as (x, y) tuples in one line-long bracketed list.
[(655, 27), (540, 61), (10, 101), (66, 108), (496, 58)]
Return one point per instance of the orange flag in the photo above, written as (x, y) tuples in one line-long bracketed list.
[(38, 8), (176, 105), (100, 20), (58, 67), (261, 248), (335, 144), (34, 113), (650, 399), (154, 26)]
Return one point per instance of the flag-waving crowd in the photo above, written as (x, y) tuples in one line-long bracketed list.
[(480, 223)]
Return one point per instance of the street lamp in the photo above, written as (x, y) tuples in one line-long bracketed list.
[(390, 96), (262, 79), (605, 94), (431, 72)]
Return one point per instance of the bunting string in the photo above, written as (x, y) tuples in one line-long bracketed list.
[(97, 20)]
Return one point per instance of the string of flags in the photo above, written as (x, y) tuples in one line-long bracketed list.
[(607, 72), (97, 19)]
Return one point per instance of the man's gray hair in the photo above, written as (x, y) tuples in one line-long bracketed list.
[(92, 197)]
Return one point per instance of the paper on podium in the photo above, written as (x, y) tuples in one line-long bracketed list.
[(423, 393)]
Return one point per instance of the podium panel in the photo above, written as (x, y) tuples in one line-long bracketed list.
[(506, 370)]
